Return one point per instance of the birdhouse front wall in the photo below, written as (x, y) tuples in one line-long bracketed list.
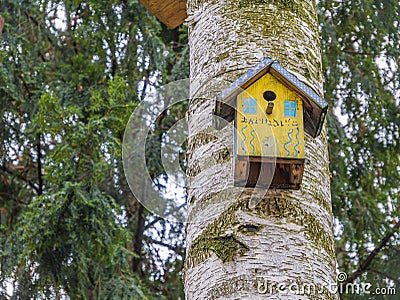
[(279, 133)]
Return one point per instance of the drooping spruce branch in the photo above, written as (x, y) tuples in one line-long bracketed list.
[(364, 266)]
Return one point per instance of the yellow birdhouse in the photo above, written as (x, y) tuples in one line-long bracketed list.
[(272, 110)]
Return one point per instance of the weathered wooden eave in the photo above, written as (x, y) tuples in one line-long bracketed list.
[(170, 12)]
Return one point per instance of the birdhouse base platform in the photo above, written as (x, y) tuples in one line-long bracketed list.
[(263, 172)]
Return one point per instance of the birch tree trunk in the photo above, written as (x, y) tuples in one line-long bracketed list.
[(234, 251)]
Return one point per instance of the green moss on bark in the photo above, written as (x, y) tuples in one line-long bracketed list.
[(221, 236), (216, 238), (290, 5)]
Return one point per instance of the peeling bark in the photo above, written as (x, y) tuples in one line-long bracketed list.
[(288, 236)]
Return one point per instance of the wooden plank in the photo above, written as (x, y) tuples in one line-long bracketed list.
[(170, 12), (254, 174), (266, 174), (271, 159), (241, 172), (296, 174), (286, 175)]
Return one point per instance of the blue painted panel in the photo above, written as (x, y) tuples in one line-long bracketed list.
[(250, 106), (290, 108)]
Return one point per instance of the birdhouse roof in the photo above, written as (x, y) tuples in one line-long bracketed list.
[(170, 12), (314, 106), (266, 66)]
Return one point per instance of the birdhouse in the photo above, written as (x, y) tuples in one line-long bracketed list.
[(272, 110), (170, 12)]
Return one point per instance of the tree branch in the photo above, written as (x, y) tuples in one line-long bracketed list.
[(39, 166), (150, 224), (11, 196), (384, 275), (138, 240), (364, 265), (30, 183), (177, 249)]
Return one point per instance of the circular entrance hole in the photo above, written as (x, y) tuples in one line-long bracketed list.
[(269, 95)]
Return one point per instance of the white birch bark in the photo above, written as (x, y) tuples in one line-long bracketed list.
[(287, 238)]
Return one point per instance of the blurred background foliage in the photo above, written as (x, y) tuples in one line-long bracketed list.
[(72, 72), (361, 50)]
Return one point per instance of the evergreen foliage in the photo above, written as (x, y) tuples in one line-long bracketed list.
[(361, 49), (71, 74)]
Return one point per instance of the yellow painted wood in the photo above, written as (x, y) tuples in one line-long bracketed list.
[(274, 135)]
